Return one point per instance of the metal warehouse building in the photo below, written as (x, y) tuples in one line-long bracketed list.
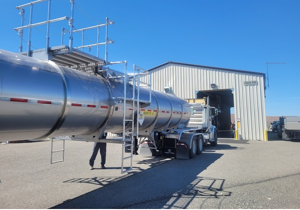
[(227, 88)]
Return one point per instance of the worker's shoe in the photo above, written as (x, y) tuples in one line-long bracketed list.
[(91, 168), (103, 167)]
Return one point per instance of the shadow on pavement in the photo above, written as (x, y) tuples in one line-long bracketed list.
[(232, 140), (222, 146), (272, 136), (162, 184)]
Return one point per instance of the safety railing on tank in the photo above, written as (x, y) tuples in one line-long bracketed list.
[(48, 21), (98, 43), (71, 30)]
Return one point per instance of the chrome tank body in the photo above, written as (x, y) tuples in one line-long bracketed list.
[(39, 99)]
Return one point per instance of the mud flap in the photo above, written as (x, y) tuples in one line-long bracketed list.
[(182, 151), (146, 149)]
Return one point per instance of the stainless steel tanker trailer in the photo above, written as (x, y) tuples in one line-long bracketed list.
[(39, 99)]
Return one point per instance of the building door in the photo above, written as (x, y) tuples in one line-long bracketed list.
[(222, 99)]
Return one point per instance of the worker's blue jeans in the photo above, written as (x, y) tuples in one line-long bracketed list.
[(98, 146)]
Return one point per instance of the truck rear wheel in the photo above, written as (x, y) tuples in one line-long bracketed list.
[(215, 142), (193, 149), (200, 145)]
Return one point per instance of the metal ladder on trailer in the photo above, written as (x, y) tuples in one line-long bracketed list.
[(135, 106), (54, 150), (148, 85), (131, 132)]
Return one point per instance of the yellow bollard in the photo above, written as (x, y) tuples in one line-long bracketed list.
[(266, 135)]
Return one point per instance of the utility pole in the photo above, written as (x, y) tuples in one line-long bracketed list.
[(268, 68)]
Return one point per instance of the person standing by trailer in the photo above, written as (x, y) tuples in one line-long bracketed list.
[(102, 147), (232, 126)]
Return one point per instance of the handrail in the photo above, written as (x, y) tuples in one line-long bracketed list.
[(71, 30), (29, 4), (42, 23)]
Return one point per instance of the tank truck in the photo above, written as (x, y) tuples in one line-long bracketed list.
[(39, 99)]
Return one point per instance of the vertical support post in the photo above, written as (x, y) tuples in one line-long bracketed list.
[(98, 32), (266, 135), (134, 133), (51, 154), (150, 87), (138, 102), (62, 35), (29, 30), (71, 26), (124, 115), (124, 101), (106, 41), (268, 73), (82, 39), (48, 26), (21, 30)]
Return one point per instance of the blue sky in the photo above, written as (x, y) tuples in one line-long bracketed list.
[(236, 34)]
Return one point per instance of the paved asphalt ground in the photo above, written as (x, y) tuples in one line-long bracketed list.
[(235, 174)]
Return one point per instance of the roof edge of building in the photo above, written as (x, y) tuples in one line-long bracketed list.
[(195, 65)]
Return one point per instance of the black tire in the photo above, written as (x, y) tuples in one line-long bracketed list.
[(279, 135), (193, 150), (200, 145), (215, 142)]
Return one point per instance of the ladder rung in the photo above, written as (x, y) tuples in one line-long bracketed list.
[(195, 122), (127, 107), (124, 158), (129, 169), (58, 161), (128, 145), (60, 150), (59, 139), (129, 120)]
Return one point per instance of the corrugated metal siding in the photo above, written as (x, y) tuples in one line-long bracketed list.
[(249, 101)]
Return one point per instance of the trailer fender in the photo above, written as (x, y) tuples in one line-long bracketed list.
[(189, 145), (213, 136)]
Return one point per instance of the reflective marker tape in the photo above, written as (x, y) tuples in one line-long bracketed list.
[(30, 101), (74, 104), (44, 102), (35, 101), (19, 100)]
